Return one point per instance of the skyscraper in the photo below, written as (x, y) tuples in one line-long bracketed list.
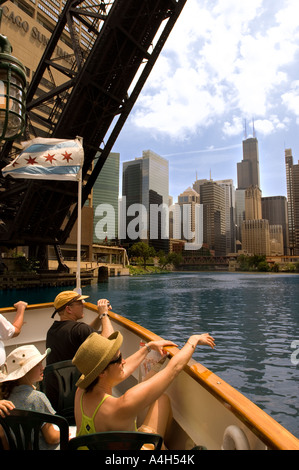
[(248, 174), (191, 217), (105, 200), (256, 237), (146, 182), (274, 209), (292, 177), (248, 169), (230, 214), (212, 197), (240, 214), (255, 230), (253, 203)]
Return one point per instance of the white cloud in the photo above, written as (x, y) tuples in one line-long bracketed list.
[(291, 98), (233, 128), (227, 60)]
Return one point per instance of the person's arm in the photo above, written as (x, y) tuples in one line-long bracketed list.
[(42, 404), (145, 393), (133, 361), (19, 318), (103, 320), (51, 435), (3, 439)]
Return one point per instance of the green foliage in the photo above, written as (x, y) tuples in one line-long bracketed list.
[(139, 270), (143, 251), (259, 263), (275, 268), (263, 266), (171, 258), (26, 265), (253, 263), (289, 267)]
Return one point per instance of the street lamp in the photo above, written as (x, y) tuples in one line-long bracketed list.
[(12, 93)]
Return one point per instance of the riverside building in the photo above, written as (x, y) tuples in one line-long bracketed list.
[(274, 209), (191, 219), (292, 179), (145, 201)]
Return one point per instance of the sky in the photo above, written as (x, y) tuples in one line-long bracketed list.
[(228, 67)]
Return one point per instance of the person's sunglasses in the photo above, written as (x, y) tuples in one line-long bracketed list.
[(117, 360)]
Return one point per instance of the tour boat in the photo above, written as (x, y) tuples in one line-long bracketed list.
[(207, 411)]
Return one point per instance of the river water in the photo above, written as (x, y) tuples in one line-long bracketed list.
[(254, 319)]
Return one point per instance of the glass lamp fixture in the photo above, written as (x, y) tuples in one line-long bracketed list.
[(12, 93)]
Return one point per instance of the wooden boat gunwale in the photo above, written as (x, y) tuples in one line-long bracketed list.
[(274, 435), (267, 429)]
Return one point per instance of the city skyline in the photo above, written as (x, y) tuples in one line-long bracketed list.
[(225, 64)]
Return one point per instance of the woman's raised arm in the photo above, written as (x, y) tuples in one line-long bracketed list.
[(143, 394)]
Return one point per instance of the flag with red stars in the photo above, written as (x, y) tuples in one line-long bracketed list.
[(43, 158)]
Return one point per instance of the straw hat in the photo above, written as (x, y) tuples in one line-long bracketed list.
[(20, 361), (94, 355), (66, 298)]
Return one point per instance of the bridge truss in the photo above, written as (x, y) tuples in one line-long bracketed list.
[(92, 99)]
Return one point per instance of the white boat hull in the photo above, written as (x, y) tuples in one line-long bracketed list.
[(207, 411)]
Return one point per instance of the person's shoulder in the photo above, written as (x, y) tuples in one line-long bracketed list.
[(38, 395), (55, 325), (58, 325), (81, 330), (81, 326), (41, 401)]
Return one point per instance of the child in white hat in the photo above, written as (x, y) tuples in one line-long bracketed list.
[(23, 368)]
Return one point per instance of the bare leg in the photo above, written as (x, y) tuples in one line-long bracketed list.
[(158, 417)]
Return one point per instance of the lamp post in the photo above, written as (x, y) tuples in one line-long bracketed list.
[(12, 93)]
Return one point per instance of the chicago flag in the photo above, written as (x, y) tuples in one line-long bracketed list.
[(42, 158)]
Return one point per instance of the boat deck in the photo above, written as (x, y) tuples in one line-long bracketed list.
[(207, 411)]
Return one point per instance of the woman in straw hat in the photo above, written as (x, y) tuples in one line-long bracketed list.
[(103, 367), (23, 368)]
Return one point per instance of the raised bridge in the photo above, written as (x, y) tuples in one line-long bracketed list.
[(93, 100)]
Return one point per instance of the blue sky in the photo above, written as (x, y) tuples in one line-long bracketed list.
[(225, 63)]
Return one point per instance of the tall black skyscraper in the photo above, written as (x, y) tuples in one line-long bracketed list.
[(249, 168)]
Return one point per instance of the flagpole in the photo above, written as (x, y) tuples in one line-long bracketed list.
[(79, 223), (78, 279)]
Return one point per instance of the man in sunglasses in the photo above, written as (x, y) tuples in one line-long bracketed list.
[(66, 334)]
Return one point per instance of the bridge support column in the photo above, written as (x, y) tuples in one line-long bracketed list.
[(103, 274)]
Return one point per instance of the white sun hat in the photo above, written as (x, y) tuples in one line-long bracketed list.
[(20, 361)]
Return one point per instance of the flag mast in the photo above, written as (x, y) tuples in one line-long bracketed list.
[(79, 224)]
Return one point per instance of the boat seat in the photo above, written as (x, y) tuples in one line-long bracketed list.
[(115, 440), (65, 376), (22, 429)]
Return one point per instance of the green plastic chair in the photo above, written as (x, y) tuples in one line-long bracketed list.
[(22, 429), (64, 377), (115, 440)]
